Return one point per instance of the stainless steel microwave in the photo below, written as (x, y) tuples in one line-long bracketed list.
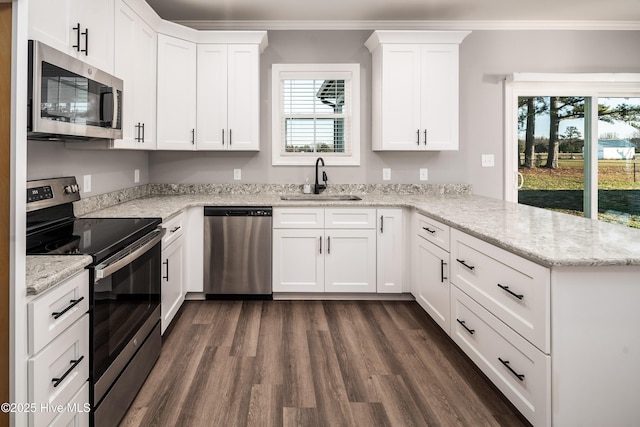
[(69, 99)]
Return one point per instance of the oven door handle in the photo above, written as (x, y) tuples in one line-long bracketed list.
[(109, 267)]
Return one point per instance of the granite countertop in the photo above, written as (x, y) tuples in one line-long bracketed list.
[(46, 271), (548, 238), (545, 237)]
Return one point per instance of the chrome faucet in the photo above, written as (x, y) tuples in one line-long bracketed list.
[(318, 188)]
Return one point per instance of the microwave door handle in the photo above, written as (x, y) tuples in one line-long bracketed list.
[(114, 119), (103, 271)]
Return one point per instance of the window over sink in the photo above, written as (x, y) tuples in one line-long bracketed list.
[(315, 112)]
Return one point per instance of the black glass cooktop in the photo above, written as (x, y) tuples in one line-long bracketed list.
[(98, 237)]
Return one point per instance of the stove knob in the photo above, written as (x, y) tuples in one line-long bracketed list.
[(75, 188), (68, 189)]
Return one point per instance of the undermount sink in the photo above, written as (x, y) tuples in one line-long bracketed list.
[(320, 197)]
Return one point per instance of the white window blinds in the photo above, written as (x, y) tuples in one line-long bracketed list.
[(315, 116)]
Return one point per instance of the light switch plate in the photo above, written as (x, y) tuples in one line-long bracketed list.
[(424, 174), (136, 176), (488, 161), (386, 174), (237, 174), (86, 188)]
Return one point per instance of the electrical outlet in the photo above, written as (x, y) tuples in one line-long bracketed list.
[(488, 161), (386, 174), (424, 174), (136, 176), (237, 174), (86, 188)]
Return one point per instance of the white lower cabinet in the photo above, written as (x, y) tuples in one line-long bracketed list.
[(173, 286), (324, 250), (515, 366), (431, 281), (390, 264), (58, 366), (430, 285)]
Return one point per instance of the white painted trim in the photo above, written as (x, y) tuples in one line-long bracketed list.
[(18, 391), (412, 25)]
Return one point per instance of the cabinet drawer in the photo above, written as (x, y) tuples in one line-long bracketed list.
[(298, 218), (175, 229), (517, 368), (432, 230), (50, 314), (350, 218), (76, 411), (65, 360), (515, 290)]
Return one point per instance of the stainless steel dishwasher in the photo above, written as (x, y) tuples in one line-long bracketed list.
[(237, 252)]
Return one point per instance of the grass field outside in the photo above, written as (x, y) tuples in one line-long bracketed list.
[(562, 189)]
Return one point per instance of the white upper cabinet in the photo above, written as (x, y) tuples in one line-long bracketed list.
[(176, 94), (80, 28), (415, 89), (228, 99), (135, 64)]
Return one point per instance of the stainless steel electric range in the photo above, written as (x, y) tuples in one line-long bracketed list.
[(124, 281)]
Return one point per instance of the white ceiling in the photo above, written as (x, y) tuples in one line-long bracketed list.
[(398, 10)]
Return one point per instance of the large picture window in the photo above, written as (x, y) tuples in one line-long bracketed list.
[(316, 113)]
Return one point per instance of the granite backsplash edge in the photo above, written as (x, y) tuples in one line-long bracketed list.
[(102, 201)]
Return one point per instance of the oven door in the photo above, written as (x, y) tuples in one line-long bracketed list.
[(125, 300)]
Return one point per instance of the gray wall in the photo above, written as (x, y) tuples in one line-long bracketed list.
[(309, 47), (109, 170), (486, 57)]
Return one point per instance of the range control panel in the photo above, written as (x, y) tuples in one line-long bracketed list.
[(43, 193)]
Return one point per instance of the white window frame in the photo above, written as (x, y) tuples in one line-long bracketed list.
[(592, 85), (350, 72)]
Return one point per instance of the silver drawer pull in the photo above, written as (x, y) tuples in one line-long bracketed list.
[(471, 331), (506, 363), (429, 230), (174, 229), (73, 302), (74, 363), (506, 289)]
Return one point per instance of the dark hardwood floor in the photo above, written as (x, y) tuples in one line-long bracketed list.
[(314, 363)]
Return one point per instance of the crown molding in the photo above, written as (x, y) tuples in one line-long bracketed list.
[(413, 25)]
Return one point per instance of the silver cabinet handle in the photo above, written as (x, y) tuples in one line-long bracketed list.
[(418, 137), (381, 224), (193, 136), (328, 244), (167, 264), (230, 140), (222, 136), (425, 137), (320, 238)]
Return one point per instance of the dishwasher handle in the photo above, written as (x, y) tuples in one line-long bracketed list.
[(257, 211)]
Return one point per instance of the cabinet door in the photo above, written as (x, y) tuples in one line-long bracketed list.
[(400, 97), (243, 101), (52, 22), (298, 260), (146, 42), (439, 96), (390, 253), (212, 97), (98, 18), (350, 261), (172, 281), (176, 94), (135, 64), (431, 279)]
